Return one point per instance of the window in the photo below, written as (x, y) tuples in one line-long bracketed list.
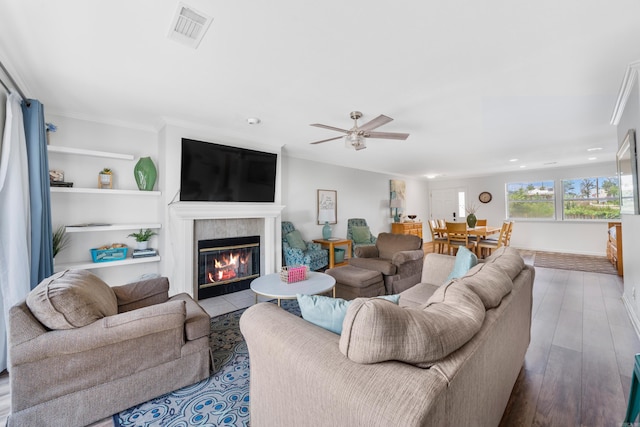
[(591, 198), (531, 200)]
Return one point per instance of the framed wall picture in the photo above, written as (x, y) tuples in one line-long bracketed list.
[(327, 206), (397, 189)]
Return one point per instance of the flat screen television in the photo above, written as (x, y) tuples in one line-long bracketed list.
[(220, 173)]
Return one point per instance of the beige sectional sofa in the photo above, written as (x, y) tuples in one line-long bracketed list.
[(448, 355)]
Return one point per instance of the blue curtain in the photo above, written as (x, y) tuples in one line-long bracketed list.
[(40, 196)]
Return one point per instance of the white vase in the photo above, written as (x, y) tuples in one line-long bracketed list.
[(142, 245)]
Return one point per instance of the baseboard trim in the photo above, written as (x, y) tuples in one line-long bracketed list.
[(632, 314)]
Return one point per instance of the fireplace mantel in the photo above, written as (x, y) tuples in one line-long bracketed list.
[(182, 216)]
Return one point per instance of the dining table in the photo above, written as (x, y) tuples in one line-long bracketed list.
[(480, 231)]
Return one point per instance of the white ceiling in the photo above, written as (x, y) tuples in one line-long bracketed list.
[(475, 83)]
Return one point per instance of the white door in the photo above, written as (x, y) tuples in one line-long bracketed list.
[(445, 203)]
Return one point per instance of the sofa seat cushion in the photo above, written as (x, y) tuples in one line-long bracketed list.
[(376, 331), (508, 259), (417, 295), (71, 299), (384, 266), (489, 282)]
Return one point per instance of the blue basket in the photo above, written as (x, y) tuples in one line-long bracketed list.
[(106, 255)]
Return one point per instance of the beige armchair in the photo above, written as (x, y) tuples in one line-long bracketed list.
[(397, 256), (81, 350)]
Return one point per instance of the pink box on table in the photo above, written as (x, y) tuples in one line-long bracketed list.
[(293, 274)]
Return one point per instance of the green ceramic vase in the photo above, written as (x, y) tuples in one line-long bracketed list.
[(145, 173), (471, 220)]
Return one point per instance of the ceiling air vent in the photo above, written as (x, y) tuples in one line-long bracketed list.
[(189, 26)]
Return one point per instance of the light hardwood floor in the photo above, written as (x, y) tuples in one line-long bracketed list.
[(578, 367)]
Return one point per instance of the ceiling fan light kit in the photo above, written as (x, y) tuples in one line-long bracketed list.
[(353, 140), (356, 136)]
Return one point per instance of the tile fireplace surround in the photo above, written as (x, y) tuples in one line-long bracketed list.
[(183, 235)]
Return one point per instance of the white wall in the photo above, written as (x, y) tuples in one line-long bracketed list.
[(579, 237), (361, 194)]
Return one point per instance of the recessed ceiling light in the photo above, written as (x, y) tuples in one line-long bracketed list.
[(523, 166), (253, 120), (592, 158), (513, 160), (431, 176), (550, 163), (594, 149)]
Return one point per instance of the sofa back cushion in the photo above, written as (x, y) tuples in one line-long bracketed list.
[(71, 299), (489, 282), (508, 259), (375, 330), (389, 243)]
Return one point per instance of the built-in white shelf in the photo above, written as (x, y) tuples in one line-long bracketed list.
[(84, 228), (88, 265), (79, 190), (83, 152)]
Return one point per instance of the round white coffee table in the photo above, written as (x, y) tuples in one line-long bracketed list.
[(270, 285)]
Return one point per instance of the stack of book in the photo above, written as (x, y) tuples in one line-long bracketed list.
[(141, 253)]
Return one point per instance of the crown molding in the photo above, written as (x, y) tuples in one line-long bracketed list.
[(630, 78)]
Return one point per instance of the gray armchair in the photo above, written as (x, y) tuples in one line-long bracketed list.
[(398, 257), (359, 234), (81, 350)]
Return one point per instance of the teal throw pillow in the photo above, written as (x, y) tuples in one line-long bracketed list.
[(361, 234), (294, 239), (327, 312), (465, 260)]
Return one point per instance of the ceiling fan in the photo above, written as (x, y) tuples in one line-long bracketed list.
[(355, 137)]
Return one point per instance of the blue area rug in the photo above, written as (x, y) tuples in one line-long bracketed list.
[(220, 400)]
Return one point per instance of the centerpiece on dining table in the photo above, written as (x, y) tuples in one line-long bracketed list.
[(471, 215)]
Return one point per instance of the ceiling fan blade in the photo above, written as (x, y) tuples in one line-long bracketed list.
[(325, 140), (318, 125), (376, 123), (386, 135)]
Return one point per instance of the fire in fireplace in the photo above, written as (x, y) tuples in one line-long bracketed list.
[(227, 265)]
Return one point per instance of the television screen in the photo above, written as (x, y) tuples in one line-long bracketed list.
[(219, 173)]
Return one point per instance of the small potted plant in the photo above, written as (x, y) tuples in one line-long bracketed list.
[(142, 237), (60, 240)]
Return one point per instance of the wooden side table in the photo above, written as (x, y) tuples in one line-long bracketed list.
[(331, 245), (414, 228)]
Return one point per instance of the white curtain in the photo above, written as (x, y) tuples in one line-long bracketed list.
[(15, 233)]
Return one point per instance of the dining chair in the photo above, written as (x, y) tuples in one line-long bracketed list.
[(457, 236), (508, 238), (437, 239), (490, 245), (481, 223)]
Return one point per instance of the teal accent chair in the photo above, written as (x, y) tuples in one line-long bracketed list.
[(358, 222), (313, 257)]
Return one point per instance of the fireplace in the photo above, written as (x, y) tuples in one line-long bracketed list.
[(227, 265)]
